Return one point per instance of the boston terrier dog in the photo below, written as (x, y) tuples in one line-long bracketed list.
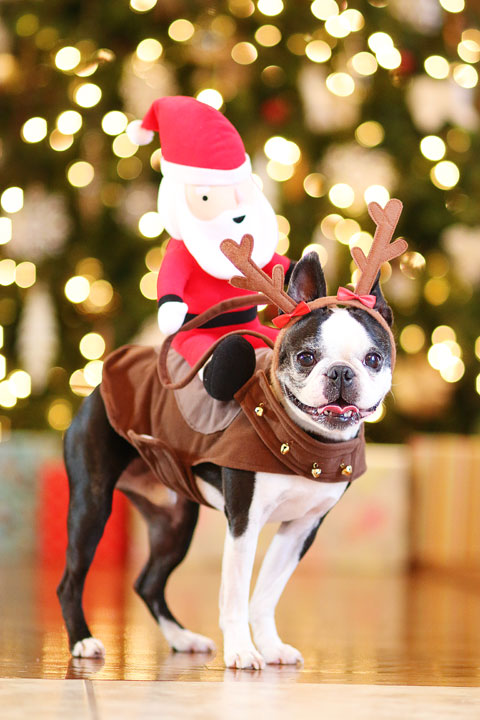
[(334, 369)]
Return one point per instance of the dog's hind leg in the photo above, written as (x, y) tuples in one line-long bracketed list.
[(95, 456), (170, 531)]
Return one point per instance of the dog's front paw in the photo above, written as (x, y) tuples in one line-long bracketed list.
[(88, 648), (243, 658), (281, 654)]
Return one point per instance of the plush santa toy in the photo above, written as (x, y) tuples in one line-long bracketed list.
[(207, 194)]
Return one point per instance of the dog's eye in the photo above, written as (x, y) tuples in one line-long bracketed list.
[(306, 358), (204, 198), (373, 360)]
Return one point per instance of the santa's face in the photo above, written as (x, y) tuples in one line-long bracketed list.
[(204, 216)]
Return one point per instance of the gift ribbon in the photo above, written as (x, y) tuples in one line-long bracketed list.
[(281, 320), (346, 294)]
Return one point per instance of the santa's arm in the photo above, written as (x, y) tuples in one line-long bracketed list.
[(172, 279)]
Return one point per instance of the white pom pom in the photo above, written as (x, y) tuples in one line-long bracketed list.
[(139, 135)]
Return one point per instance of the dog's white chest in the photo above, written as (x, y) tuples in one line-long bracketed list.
[(282, 498), (287, 497)]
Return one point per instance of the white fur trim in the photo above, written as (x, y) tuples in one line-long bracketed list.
[(206, 176), (139, 135)]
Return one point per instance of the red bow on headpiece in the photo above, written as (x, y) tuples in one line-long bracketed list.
[(346, 294), (281, 320)]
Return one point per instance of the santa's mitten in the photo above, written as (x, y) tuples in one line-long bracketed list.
[(171, 316), (232, 364)]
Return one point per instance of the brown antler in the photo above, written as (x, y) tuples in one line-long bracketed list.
[(253, 277), (382, 250)]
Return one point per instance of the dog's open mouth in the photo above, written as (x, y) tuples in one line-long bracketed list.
[(336, 413)]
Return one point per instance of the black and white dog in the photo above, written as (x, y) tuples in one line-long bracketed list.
[(332, 357)]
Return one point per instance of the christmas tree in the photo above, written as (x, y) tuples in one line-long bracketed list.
[(337, 103)]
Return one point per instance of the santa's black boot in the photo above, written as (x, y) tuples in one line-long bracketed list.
[(232, 364)]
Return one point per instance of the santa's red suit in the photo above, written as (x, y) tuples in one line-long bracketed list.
[(182, 279), (201, 148)]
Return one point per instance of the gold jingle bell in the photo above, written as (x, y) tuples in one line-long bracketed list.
[(316, 471), (347, 470), (259, 410), (284, 448)]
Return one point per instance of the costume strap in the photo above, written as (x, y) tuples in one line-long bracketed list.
[(218, 309)]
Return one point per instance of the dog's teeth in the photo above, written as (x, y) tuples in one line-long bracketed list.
[(348, 413)]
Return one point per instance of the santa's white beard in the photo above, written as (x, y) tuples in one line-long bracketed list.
[(203, 237)]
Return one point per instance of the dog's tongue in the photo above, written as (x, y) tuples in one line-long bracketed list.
[(337, 410)]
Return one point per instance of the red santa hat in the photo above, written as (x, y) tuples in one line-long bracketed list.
[(199, 145)]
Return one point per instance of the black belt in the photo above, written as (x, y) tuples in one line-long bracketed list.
[(238, 317)]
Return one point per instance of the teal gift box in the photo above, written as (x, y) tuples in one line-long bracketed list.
[(21, 459)]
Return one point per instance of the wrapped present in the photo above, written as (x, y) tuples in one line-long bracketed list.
[(446, 502), (20, 457)]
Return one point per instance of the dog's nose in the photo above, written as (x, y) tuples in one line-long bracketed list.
[(341, 375), (239, 219)]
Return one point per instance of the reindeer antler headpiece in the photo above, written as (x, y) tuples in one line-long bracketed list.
[(381, 251)]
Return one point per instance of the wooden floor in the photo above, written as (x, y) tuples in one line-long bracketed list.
[(374, 646)]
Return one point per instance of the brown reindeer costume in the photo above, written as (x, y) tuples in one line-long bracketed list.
[(175, 429)]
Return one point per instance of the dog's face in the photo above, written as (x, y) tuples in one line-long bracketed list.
[(335, 363)]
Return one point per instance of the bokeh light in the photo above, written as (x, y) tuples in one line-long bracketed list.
[(114, 122), (244, 53), (432, 147), (364, 63), (60, 142), (142, 6), (376, 193), (11, 199), (92, 346), (87, 95), (148, 285), (80, 173), (443, 333), (34, 130), (150, 224), (282, 150), (314, 185), (318, 51), (341, 195), (340, 83), (465, 75), (436, 291), (211, 97), (69, 122), (25, 274), (270, 7), (370, 133), (412, 264), (453, 6), (59, 415), (149, 50), (67, 58), (181, 30), (5, 230), (445, 175), (268, 35), (412, 338), (323, 9), (437, 67), (77, 289), (123, 147), (20, 383)]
